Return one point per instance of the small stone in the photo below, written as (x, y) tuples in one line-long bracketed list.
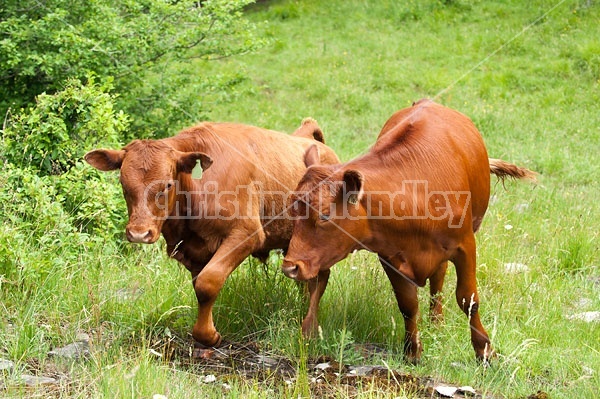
[(361, 371), (587, 370), (520, 208), (32, 380), (266, 361), (6, 365), (458, 365), (82, 337), (128, 294), (209, 379), (323, 366), (72, 351), (514, 267), (588, 317), (584, 303), (446, 391)]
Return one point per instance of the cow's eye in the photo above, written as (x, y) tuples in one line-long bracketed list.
[(324, 217), (168, 186)]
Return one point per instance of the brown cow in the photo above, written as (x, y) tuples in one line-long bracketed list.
[(416, 199), (212, 222)]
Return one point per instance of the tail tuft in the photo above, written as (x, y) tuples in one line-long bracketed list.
[(504, 169)]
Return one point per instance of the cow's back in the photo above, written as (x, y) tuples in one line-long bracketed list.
[(259, 167), (435, 145)]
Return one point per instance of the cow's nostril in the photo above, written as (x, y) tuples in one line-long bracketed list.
[(290, 269)]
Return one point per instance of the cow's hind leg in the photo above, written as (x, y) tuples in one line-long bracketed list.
[(468, 299), (405, 291), (436, 283), (316, 288)]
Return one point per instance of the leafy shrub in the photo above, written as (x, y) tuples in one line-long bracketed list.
[(51, 136), (42, 44), (45, 181)]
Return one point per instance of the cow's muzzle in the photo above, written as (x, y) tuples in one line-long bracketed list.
[(141, 235)]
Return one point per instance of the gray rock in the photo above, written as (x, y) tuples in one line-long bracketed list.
[(588, 317), (32, 380), (515, 267), (446, 391), (6, 365), (128, 294), (520, 208), (75, 350), (323, 366), (266, 361), (82, 337), (361, 371)]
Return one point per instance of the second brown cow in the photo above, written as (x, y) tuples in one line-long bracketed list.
[(416, 199)]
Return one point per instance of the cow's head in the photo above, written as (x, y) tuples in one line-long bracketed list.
[(329, 218), (150, 175)]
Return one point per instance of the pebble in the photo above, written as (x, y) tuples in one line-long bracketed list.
[(322, 366), (446, 391), (6, 365), (266, 361), (361, 371), (588, 317), (32, 380), (75, 350), (514, 267), (520, 208)]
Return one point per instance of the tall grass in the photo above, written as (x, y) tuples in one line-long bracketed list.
[(350, 65)]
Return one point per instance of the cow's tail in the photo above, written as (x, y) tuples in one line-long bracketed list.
[(504, 169), (310, 129)]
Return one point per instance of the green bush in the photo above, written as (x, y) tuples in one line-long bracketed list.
[(42, 44), (46, 186), (51, 136)]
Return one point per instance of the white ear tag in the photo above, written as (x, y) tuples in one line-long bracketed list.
[(197, 171)]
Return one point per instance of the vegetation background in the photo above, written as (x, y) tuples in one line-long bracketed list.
[(76, 76)]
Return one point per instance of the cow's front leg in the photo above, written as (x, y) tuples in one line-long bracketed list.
[(405, 291), (316, 288), (233, 250)]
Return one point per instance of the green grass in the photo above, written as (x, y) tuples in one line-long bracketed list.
[(350, 65)]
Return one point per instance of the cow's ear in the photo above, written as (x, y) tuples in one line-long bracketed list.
[(105, 160), (353, 186), (311, 156), (188, 160)]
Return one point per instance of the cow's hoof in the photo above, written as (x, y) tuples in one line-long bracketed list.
[(310, 329), (487, 358), (216, 342), (412, 360)]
